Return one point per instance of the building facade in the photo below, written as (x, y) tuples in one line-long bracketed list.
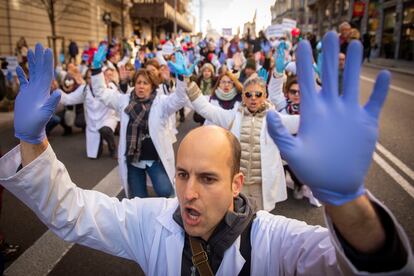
[(293, 9), (81, 21), (88, 20), (154, 17), (390, 23)]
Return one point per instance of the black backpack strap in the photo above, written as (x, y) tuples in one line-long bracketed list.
[(246, 248)]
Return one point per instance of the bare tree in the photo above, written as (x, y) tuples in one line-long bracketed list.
[(55, 9)]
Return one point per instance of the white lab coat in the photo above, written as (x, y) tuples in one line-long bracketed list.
[(273, 176), (97, 115), (143, 230), (158, 122), (216, 103)]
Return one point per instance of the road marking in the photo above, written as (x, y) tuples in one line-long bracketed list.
[(394, 174), (48, 250), (393, 87), (395, 160)]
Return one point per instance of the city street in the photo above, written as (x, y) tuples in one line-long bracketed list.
[(390, 179)]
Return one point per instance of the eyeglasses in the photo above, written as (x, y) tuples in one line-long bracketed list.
[(258, 94), (294, 92), (223, 82)]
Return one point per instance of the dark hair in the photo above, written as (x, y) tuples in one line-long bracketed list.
[(289, 82), (149, 75), (235, 153)]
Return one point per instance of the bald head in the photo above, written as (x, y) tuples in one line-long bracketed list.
[(217, 141)]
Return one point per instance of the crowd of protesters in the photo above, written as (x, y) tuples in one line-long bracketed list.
[(130, 88), (221, 67)]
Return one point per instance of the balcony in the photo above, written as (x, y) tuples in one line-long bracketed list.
[(161, 11)]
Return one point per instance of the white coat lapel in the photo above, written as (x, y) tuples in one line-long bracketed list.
[(174, 244), (233, 261)]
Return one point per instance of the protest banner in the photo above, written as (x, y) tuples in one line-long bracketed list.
[(288, 24), (274, 31)]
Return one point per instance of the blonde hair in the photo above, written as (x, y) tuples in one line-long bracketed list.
[(254, 80)]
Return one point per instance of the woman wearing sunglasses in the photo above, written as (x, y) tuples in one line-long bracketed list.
[(261, 163), (288, 102)]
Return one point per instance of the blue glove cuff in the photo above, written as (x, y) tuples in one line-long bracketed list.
[(337, 199), (31, 140)]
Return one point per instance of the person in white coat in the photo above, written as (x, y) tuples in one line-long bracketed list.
[(101, 120), (286, 99), (145, 142), (362, 237), (261, 162)]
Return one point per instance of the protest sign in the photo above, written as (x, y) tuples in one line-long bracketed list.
[(274, 31), (227, 32), (288, 24)]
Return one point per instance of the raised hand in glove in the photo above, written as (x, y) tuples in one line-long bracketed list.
[(280, 57), (263, 74), (333, 148), (180, 67), (266, 47), (34, 104), (99, 56)]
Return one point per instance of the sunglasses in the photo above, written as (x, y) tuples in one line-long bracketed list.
[(258, 94), (294, 92)]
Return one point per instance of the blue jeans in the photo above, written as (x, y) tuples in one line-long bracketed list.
[(137, 180)]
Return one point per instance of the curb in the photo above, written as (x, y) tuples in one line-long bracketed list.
[(392, 69)]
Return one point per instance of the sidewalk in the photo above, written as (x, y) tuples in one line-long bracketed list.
[(394, 65), (6, 118)]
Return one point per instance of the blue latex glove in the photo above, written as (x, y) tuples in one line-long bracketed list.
[(137, 64), (280, 58), (180, 67), (85, 57), (191, 56), (34, 104), (202, 44), (263, 74), (265, 45), (9, 75), (318, 67), (333, 148), (62, 58), (241, 45), (222, 58), (99, 56)]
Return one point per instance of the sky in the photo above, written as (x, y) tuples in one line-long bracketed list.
[(233, 13)]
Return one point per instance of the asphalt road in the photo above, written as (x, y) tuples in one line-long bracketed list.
[(384, 180)]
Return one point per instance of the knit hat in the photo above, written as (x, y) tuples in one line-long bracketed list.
[(207, 66), (251, 63)]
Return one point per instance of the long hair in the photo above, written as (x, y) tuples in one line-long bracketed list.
[(236, 83)]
